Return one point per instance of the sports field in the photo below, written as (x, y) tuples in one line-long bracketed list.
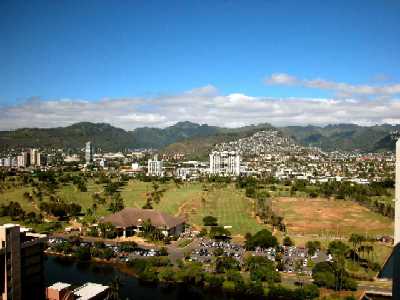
[(330, 217)]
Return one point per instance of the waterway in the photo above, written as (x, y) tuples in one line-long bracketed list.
[(70, 271)]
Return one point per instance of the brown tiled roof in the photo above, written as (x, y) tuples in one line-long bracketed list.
[(131, 216)]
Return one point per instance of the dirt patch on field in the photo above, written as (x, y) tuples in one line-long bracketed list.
[(305, 215), (187, 209)]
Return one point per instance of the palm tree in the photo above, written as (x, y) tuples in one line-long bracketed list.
[(369, 249), (356, 240), (353, 240)]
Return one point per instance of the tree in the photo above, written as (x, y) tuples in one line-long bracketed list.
[(261, 269), (167, 274), (356, 240), (223, 264), (263, 239), (210, 221), (83, 253), (163, 251), (117, 203), (312, 247), (107, 230), (287, 241)]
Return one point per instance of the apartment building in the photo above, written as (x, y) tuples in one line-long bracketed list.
[(89, 151), (21, 263), (155, 167), (224, 163)]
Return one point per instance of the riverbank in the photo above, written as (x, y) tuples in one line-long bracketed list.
[(123, 267), (68, 269)]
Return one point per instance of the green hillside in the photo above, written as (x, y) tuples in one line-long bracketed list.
[(195, 140)]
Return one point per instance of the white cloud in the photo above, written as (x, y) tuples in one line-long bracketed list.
[(203, 105), (342, 89)]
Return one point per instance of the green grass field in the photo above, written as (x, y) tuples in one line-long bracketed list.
[(194, 201), (229, 205)]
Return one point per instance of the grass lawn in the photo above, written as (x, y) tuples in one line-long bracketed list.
[(330, 217), (229, 205), (306, 218)]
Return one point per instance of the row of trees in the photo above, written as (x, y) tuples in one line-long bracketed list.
[(362, 193), (226, 278), (17, 213)]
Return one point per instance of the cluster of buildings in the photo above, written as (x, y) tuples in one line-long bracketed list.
[(30, 158), (266, 153)]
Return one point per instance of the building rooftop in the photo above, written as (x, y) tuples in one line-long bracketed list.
[(89, 290), (59, 286), (131, 216)]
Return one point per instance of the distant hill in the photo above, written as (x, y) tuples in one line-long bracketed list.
[(199, 147), (347, 137), (195, 140), (103, 135), (71, 137)]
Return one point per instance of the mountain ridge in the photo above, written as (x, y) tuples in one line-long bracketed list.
[(193, 136)]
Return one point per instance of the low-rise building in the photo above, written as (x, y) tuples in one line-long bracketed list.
[(130, 220), (88, 291)]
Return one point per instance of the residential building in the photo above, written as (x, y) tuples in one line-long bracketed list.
[(21, 263), (89, 150), (224, 163), (34, 155), (155, 167), (21, 162)]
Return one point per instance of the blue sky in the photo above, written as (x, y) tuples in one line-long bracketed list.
[(93, 50)]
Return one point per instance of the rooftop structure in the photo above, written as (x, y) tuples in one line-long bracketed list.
[(90, 291), (133, 218)]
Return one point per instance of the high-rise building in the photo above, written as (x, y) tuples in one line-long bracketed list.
[(155, 167), (34, 156), (27, 158), (224, 163), (24, 160), (397, 196), (21, 161), (21, 264), (89, 152)]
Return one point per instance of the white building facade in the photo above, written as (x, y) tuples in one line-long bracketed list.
[(155, 167), (89, 152), (225, 163)]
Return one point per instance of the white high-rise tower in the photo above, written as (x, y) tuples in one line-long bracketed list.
[(397, 197)]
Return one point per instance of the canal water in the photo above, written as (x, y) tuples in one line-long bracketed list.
[(76, 273)]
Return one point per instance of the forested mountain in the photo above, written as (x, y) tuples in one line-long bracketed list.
[(196, 139), (347, 137)]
